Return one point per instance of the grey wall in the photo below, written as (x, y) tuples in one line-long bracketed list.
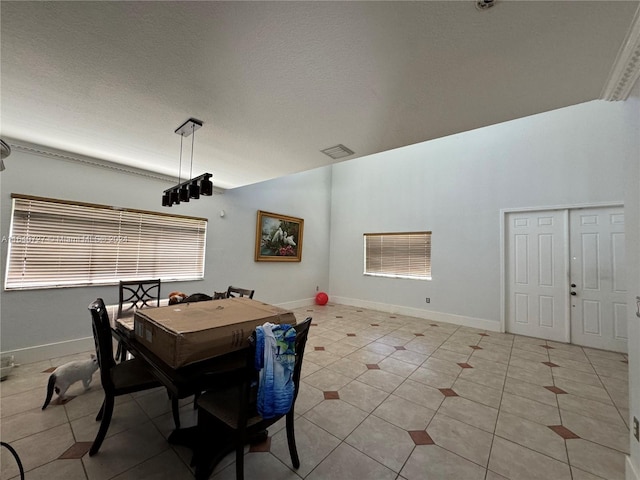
[(38, 317), (456, 187)]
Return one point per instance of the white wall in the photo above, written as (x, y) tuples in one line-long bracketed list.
[(305, 195), (455, 187), (40, 317), (632, 220)]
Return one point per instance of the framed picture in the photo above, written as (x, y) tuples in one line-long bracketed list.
[(278, 238)]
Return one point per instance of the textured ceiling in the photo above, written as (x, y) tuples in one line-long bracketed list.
[(276, 82)]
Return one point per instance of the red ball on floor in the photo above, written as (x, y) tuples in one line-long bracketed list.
[(322, 298)]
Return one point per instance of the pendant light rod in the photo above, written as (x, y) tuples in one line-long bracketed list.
[(192, 142), (180, 164), (194, 187)]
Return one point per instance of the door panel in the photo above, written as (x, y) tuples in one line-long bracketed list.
[(536, 274), (597, 250)]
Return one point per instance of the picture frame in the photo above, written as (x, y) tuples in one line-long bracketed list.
[(278, 238)]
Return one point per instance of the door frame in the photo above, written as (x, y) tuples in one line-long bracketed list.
[(504, 253)]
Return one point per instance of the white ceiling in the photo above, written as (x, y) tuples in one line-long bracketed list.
[(276, 82)]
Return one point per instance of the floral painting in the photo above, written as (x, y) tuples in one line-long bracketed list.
[(278, 238)]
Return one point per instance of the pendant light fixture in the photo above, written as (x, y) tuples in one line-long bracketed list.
[(194, 187)]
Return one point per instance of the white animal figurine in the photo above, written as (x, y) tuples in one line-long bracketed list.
[(69, 373)]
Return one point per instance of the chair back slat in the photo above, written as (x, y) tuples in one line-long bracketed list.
[(103, 342), (233, 292), (138, 294), (302, 333)]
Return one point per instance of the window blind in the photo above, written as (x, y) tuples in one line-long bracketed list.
[(55, 243), (401, 255)]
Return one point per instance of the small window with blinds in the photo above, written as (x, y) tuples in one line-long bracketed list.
[(56, 243), (398, 255)]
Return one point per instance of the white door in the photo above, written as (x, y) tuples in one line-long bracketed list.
[(598, 271), (536, 278)]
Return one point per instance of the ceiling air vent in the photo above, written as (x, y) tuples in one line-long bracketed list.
[(485, 4), (339, 151)]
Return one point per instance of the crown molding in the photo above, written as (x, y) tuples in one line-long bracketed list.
[(20, 145), (626, 68), (23, 146)]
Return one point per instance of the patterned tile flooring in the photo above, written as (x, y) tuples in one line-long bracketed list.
[(383, 396)]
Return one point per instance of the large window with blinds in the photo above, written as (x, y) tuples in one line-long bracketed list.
[(56, 243), (398, 255)]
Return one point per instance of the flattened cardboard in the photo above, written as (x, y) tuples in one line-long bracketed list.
[(185, 333)]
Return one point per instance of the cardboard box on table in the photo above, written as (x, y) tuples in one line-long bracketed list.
[(185, 333)]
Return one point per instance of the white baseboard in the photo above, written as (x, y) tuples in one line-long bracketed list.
[(631, 473), (481, 323), (51, 350), (296, 304)]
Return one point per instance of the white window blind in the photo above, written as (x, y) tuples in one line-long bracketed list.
[(55, 243), (400, 255)]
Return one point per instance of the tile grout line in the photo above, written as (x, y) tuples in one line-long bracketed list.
[(371, 413), (495, 427), (439, 406), (566, 447)]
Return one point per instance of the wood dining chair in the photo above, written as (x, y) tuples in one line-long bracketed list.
[(233, 408), (117, 379), (134, 295), (233, 292), (138, 294)]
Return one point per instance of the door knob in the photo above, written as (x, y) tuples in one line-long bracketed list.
[(573, 293), (573, 285)]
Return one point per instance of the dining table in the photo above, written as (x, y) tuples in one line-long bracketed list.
[(208, 444)]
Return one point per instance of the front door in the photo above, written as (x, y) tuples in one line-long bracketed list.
[(598, 278), (565, 276), (536, 277)]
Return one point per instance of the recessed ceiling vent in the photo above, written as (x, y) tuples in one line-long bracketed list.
[(485, 4), (339, 151)]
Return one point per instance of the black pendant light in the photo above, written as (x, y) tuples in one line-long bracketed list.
[(194, 187)]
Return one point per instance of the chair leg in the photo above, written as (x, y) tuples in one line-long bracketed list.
[(291, 440), (107, 411), (240, 460), (176, 411), (99, 416)]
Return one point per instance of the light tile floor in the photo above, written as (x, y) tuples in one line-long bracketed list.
[(382, 396)]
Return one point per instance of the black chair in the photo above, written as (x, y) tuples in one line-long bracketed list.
[(233, 292), (138, 294), (134, 295), (117, 378), (234, 408)]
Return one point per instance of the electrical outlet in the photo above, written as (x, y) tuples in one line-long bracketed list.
[(428, 300), (636, 431)]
